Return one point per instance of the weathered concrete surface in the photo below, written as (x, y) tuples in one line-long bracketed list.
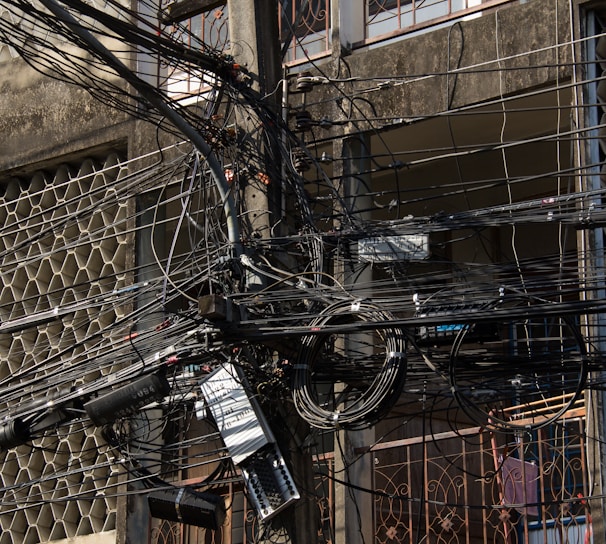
[(42, 119), (512, 48)]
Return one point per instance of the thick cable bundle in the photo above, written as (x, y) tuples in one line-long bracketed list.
[(340, 386), (528, 375)]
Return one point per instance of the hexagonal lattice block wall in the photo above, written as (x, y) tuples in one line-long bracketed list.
[(62, 241)]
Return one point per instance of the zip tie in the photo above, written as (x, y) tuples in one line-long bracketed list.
[(177, 505)]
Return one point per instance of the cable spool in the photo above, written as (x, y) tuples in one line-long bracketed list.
[(369, 382)]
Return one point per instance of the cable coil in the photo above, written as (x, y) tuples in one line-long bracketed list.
[(354, 407)]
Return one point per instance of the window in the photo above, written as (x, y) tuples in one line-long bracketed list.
[(208, 27), (305, 28), (384, 17)]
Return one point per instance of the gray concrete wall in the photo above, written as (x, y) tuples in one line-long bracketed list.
[(42, 119), (499, 38)]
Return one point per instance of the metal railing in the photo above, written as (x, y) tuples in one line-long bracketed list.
[(386, 19), (469, 486), (473, 486), (305, 26), (304, 29)]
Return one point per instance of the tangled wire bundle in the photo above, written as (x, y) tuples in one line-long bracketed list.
[(343, 382)]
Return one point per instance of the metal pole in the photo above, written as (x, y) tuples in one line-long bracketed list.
[(158, 101)]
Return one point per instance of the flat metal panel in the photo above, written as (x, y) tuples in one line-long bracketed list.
[(411, 247), (242, 427)]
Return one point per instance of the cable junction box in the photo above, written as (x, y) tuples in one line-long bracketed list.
[(187, 506), (249, 440), (450, 319), (411, 247), (269, 483)]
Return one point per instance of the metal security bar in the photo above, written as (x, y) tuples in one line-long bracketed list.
[(304, 29), (473, 486), (468, 486), (211, 28), (389, 18)]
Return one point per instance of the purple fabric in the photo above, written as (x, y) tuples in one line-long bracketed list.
[(520, 485)]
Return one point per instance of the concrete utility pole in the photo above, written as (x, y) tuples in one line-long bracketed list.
[(255, 45), (592, 259), (354, 506), (354, 511)]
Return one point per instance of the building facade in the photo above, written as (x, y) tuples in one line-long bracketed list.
[(386, 215)]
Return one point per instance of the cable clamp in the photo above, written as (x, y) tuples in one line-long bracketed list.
[(177, 505), (311, 80)]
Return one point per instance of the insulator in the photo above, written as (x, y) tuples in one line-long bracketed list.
[(304, 82), (303, 121), (325, 158), (300, 160)]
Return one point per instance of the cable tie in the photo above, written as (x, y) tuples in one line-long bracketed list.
[(393, 354), (177, 505)]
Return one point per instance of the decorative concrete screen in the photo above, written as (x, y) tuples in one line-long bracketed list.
[(61, 241)]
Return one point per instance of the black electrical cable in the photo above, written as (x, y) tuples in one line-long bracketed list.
[(540, 368), (381, 386), (374, 382)]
